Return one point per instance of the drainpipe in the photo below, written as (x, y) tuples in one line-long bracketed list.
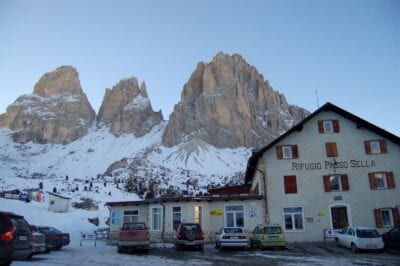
[(265, 192), (163, 223)]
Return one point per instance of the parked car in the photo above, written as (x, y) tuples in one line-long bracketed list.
[(189, 235), (55, 239), (15, 238), (134, 236), (358, 237), (231, 237), (391, 239), (38, 242), (267, 235)]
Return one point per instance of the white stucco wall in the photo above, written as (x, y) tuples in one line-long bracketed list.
[(253, 215), (57, 204), (360, 199)]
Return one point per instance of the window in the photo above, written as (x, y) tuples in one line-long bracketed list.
[(386, 217), (198, 213), (336, 182), (293, 218), (52, 202), (176, 217), (375, 147), (156, 218), (131, 216), (234, 216), (331, 149), (290, 184), (381, 180), (328, 126), (115, 217), (287, 152)]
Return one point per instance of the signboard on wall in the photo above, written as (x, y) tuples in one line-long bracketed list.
[(217, 212)]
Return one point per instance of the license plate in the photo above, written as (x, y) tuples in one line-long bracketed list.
[(371, 246), (23, 238), (234, 237)]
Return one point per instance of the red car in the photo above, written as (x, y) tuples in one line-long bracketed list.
[(134, 236)]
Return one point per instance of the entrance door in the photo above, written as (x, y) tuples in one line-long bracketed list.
[(339, 217)]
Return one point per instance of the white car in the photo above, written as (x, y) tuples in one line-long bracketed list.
[(358, 237), (231, 237)]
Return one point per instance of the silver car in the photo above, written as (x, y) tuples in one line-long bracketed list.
[(38, 242), (231, 237)]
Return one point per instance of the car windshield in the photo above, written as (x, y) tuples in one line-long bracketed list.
[(272, 230), (233, 230), (191, 227), (134, 227), (367, 233)]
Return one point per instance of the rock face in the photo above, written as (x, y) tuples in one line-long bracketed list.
[(57, 112), (128, 109), (228, 104)]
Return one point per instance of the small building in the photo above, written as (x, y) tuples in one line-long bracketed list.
[(58, 203), (331, 170), (163, 215)]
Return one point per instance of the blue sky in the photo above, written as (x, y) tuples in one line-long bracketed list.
[(347, 50)]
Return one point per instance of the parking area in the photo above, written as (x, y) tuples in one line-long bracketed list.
[(105, 253)]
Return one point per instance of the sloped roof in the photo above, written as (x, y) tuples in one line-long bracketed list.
[(58, 195), (183, 199), (361, 123)]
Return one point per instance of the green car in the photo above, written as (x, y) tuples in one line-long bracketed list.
[(267, 235)]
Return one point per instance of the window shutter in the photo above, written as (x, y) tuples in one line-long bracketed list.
[(331, 149), (372, 181), (290, 184), (383, 146), (279, 152), (390, 180), (345, 182), (336, 127), (378, 218), (295, 152), (367, 145), (321, 126), (327, 183), (396, 217)]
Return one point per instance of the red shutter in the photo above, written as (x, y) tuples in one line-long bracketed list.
[(279, 152), (327, 183), (336, 127), (367, 146), (396, 217), (295, 152), (372, 181), (345, 182), (390, 180), (331, 149), (290, 184), (383, 146), (321, 126), (378, 218)]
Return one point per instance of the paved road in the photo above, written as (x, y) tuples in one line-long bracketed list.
[(304, 254)]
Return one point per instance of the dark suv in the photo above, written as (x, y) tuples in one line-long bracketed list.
[(189, 235), (15, 238)]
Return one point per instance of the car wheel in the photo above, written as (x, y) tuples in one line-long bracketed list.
[(119, 250), (178, 247), (201, 248), (260, 245), (354, 248)]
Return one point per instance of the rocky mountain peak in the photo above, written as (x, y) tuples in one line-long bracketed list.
[(128, 109), (57, 112), (228, 104), (63, 80)]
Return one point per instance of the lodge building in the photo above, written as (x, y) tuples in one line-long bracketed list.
[(331, 170)]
